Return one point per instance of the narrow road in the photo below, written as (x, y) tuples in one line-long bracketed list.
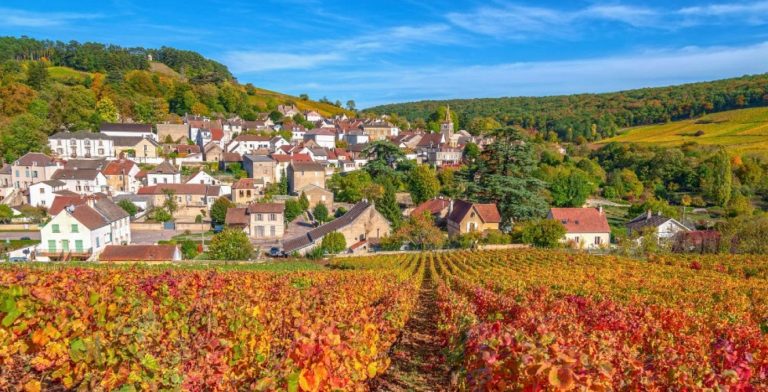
[(417, 363)]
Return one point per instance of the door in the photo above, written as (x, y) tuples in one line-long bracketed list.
[(65, 245), (79, 246)]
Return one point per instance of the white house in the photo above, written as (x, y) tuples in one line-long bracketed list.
[(203, 177), (356, 137), (323, 137), (41, 194), (586, 228), (245, 144), (665, 228), (81, 144), (312, 116), (81, 231), (277, 142), (164, 173), (83, 181)]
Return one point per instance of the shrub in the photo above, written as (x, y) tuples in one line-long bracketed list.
[(543, 233), (334, 242)]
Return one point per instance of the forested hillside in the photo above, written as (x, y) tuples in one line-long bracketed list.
[(47, 86), (596, 116)]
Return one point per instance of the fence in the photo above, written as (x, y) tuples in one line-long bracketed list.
[(19, 227)]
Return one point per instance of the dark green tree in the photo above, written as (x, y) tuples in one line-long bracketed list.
[(37, 74), (219, 210), (387, 204), (423, 184), (128, 207), (504, 175), (320, 212), (230, 244), (571, 188)]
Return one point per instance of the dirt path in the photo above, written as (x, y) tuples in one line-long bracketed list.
[(416, 359)]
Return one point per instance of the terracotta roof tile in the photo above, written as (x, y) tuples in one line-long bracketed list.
[(581, 220), (266, 208), (138, 253)]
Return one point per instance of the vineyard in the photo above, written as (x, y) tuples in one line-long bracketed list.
[(495, 320)]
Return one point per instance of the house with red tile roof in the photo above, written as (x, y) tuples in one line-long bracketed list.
[(585, 228), (466, 217), (437, 208), (122, 176)]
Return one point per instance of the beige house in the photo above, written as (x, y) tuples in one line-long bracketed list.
[(136, 147), (212, 152), (259, 220), (317, 195), (194, 196), (361, 226), (247, 190), (379, 130), (465, 217), (178, 133), (32, 168), (121, 176), (302, 174), (260, 167)]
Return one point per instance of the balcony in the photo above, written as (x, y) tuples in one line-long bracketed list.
[(60, 254)]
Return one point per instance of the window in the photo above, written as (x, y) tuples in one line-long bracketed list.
[(272, 231), (34, 174), (55, 228), (98, 243), (272, 217), (75, 228), (598, 240), (259, 217), (51, 246), (42, 190)]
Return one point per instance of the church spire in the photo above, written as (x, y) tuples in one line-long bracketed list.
[(448, 114)]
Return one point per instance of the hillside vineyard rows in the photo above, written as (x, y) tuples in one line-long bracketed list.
[(502, 320)]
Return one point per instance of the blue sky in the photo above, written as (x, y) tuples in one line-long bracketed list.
[(392, 51)]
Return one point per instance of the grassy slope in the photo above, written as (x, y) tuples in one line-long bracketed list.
[(64, 74), (741, 131)]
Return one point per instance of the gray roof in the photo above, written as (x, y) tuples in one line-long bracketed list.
[(125, 127), (76, 174), (54, 183), (318, 233), (648, 220), (164, 168), (82, 135), (80, 164), (126, 141), (109, 210), (35, 159), (257, 158)]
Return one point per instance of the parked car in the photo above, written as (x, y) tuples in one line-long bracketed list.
[(25, 238), (17, 259), (276, 252)]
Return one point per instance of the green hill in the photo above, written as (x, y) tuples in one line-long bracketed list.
[(741, 131), (47, 86), (597, 116)]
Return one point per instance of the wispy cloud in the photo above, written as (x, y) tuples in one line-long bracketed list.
[(647, 69), (250, 61), (516, 22), (312, 54), (20, 18)]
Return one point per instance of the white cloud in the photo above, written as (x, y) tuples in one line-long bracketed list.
[(514, 21), (252, 61), (20, 18), (647, 69), (336, 51)]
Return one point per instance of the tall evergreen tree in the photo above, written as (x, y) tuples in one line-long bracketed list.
[(387, 204)]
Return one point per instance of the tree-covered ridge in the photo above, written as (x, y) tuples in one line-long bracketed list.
[(596, 116), (112, 59)]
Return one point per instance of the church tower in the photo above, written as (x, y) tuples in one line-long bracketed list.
[(446, 126)]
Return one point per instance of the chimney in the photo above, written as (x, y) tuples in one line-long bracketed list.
[(648, 214), (450, 207), (600, 209), (90, 200)]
